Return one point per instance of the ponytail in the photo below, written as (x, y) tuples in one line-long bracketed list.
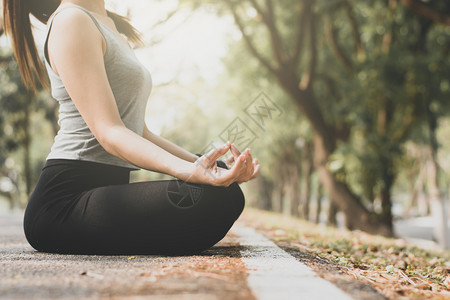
[(123, 26), (17, 24)]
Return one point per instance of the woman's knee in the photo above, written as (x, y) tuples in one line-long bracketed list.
[(237, 195), (237, 198)]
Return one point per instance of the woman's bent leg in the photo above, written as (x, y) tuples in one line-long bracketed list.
[(157, 217)]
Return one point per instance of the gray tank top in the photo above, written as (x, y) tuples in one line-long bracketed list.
[(131, 84)]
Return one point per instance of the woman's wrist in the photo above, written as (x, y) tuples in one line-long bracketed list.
[(193, 158), (185, 171)]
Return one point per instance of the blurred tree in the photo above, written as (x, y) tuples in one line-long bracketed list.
[(16, 103), (432, 11), (360, 73), (432, 48), (293, 63), (19, 107)]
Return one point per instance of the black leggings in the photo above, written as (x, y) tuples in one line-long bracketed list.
[(82, 207)]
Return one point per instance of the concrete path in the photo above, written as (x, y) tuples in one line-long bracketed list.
[(245, 265), (274, 274)]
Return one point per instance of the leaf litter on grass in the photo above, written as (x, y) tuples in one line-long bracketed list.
[(391, 266)]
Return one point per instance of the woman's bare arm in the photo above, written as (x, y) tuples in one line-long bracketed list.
[(168, 145), (76, 49)]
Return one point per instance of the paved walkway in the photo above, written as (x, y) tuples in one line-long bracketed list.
[(274, 274), (245, 265)]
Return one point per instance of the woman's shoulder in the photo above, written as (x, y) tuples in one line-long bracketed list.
[(69, 16), (74, 24), (73, 36)]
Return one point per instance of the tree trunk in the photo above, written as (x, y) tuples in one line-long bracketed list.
[(277, 198), (294, 190), (332, 212), (438, 206), (10, 198), (307, 173), (265, 192), (319, 202), (357, 216), (412, 208), (386, 203)]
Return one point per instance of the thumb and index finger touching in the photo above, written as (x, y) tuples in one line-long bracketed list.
[(237, 157), (215, 153)]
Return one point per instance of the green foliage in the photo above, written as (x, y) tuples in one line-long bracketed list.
[(20, 120), (379, 68), (387, 98)]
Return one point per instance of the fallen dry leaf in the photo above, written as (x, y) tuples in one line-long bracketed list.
[(92, 274), (447, 281)]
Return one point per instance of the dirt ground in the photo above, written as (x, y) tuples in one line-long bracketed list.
[(24, 273)]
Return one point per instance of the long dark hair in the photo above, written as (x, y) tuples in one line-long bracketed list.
[(16, 22)]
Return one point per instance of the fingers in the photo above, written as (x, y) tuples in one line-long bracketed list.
[(248, 170), (248, 161), (235, 151), (255, 172), (249, 165), (218, 152), (244, 169), (236, 170), (214, 154), (229, 161)]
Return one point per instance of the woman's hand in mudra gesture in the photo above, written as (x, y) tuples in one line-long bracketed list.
[(244, 168), (251, 164)]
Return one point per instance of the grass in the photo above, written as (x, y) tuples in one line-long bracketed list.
[(394, 268)]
